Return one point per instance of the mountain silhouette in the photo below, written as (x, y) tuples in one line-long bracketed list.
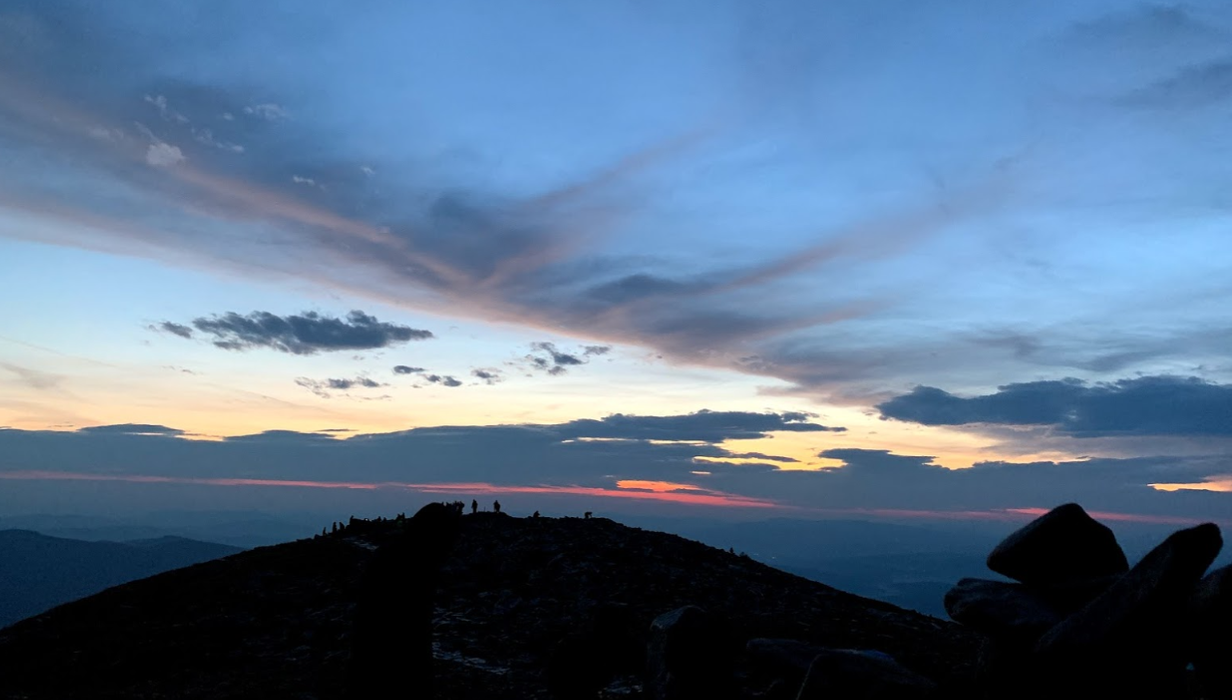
[(525, 607), (38, 572)]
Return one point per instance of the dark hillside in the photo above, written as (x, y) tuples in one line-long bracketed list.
[(274, 622)]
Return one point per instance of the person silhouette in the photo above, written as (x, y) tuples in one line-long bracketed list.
[(474, 506), (496, 506), (535, 515)]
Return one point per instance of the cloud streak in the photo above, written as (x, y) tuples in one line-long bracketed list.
[(1151, 405), (298, 334), (325, 388)]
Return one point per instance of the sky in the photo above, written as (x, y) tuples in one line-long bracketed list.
[(950, 259)]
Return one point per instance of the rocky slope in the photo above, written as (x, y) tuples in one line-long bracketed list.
[(515, 595)]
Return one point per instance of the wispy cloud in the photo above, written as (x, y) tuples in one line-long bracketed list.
[(174, 329), (298, 334), (487, 376), (443, 380), (324, 388), (33, 378)]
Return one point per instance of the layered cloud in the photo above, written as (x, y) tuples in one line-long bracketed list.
[(702, 426), (620, 456), (297, 334), (1152, 405)]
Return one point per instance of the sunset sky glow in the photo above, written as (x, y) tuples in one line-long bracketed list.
[(820, 258)]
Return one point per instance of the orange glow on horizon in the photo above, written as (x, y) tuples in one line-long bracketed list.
[(1221, 484), (657, 486), (709, 498), (692, 496)]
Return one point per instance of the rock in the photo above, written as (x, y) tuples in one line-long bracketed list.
[(689, 655), (1007, 670), (999, 609), (1070, 596), (391, 650), (853, 674), (1063, 545), (1210, 624), (780, 689), (586, 661), (788, 659), (1129, 638)]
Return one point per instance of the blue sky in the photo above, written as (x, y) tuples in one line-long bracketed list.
[(648, 209)]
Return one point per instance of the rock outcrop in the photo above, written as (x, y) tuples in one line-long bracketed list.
[(690, 655), (391, 648), (1058, 548), (1209, 618), (1081, 623)]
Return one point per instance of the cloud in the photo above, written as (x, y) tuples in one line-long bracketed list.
[(165, 111), (163, 155), (131, 429), (33, 378), (303, 334), (1147, 26), (553, 456), (445, 380), (1150, 405), (558, 358), (1194, 86), (173, 328), (702, 426), (762, 456), (206, 136), (407, 369), (546, 357), (487, 376), (290, 437), (801, 288), (324, 387), (268, 111)]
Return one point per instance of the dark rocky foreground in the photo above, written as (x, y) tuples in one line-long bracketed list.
[(1080, 622), (527, 608)]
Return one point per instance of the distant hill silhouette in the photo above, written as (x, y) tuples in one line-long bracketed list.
[(515, 594), (38, 572)]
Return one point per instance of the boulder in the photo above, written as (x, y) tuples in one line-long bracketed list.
[(1210, 626), (1070, 596), (854, 674), (1000, 609), (1129, 638), (787, 659), (1007, 670), (1062, 546), (690, 655), (585, 661)]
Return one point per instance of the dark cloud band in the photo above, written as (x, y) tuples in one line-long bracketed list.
[(1155, 405)]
